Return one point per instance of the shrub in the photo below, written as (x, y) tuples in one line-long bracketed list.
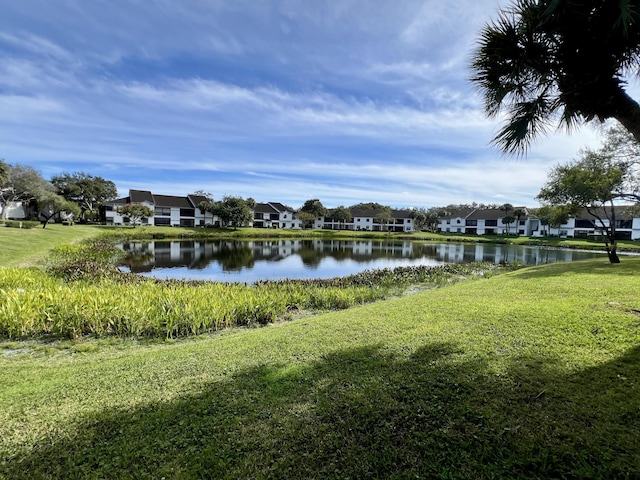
[(20, 224)]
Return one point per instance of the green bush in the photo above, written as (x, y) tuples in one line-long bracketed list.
[(20, 224)]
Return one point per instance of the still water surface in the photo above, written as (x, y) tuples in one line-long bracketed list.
[(250, 261)]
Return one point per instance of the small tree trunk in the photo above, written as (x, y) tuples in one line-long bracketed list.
[(613, 254)]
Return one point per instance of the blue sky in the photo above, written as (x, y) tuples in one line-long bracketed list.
[(344, 100)]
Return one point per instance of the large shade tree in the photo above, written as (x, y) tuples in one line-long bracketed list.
[(311, 210), (342, 215), (558, 61), (384, 217), (52, 204), (88, 191), (135, 212), (232, 211), (23, 184), (4, 172), (592, 183)]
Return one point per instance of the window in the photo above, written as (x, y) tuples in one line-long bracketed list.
[(187, 212), (161, 221), (163, 211), (472, 223), (108, 208), (582, 223), (522, 222), (624, 223), (491, 223)]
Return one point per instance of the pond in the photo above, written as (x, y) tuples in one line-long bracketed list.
[(250, 261)]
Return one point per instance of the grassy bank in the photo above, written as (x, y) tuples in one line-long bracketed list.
[(83, 293), (531, 374), (19, 247)]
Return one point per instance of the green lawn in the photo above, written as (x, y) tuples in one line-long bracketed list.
[(19, 247), (530, 374)]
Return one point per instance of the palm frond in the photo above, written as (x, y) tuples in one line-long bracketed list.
[(526, 121)]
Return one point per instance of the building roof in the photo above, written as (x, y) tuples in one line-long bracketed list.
[(462, 213), (623, 212), (487, 214), (264, 208), (119, 201), (371, 213), (196, 200), (171, 201), (280, 207), (139, 196)]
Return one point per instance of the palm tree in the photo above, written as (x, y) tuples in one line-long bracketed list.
[(558, 60), (508, 220), (518, 213)]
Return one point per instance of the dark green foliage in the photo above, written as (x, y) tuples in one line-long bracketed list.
[(20, 223), (544, 61)]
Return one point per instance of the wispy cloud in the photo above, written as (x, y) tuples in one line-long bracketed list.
[(279, 100)]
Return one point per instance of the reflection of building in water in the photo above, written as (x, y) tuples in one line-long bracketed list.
[(144, 256), (236, 255), (497, 253)]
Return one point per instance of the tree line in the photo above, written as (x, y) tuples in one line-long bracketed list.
[(78, 195)]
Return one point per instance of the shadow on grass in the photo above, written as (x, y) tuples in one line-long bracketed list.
[(367, 412)]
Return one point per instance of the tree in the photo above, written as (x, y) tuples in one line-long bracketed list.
[(558, 60), (342, 215), (23, 184), (88, 191), (4, 172), (366, 206), (554, 216), (420, 218), (624, 150), (518, 213), (506, 208), (508, 220), (52, 204), (306, 218), (232, 211), (592, 182), (135, 212), (315, 207), (311, 210), (384, 217)]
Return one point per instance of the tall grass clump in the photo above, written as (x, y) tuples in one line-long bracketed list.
[(80, 291), (69, 302)]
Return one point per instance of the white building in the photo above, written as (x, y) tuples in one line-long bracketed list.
[(489, 221), (366, 220), (168, 210), (274, 215)]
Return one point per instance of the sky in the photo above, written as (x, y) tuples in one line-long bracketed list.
[(347, 101)]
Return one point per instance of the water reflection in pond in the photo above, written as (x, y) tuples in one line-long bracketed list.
[(249, 261)]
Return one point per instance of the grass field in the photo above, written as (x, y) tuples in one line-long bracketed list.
[(530, 374), (19, 247)]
